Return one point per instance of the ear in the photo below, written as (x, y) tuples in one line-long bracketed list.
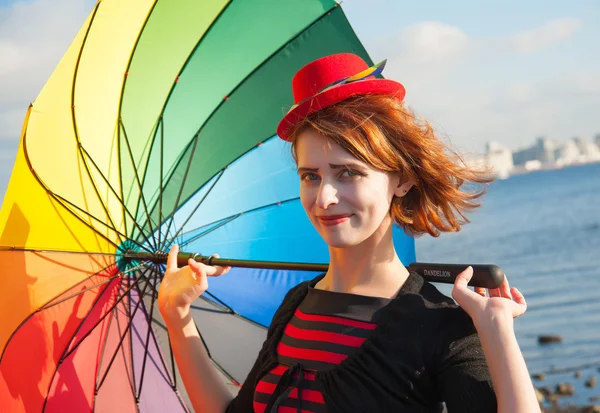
[(403, 188)]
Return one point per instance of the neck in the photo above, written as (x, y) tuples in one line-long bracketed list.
[(370, 268)]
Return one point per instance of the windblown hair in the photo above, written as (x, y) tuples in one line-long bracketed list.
[(381, 132)]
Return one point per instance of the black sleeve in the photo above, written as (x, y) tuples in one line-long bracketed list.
[(463, 378), (243, 401)]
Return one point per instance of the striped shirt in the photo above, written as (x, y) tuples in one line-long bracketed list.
[(326, 328)]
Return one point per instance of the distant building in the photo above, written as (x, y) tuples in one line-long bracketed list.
[(524, 155), (568, 153), (597, 139), (581, 144), (499, 158), (545, 150)]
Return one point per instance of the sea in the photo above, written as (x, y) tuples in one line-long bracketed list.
[(543, 230)]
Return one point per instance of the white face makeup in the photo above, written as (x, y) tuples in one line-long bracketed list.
[(346, 200)]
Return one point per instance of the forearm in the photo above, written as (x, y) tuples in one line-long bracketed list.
[(205, 388), (512, 383)]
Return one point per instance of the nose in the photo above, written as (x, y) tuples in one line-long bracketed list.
[(326, 196)]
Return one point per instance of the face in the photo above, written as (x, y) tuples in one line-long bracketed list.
[(347, 200)]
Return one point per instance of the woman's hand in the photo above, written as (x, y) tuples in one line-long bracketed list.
[(181, 286), (485, 311)]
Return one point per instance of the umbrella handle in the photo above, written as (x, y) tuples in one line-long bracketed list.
[(484, 275)]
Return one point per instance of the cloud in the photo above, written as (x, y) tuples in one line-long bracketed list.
[(426, 45), (475, 89), (545, 36), (31, 45)]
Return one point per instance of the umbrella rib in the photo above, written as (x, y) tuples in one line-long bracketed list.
[(127, 328), (137, 179), (230, 218), (52, 304), (187, 170), (57, 197), (75, 128), (160, 192), (122, 94), (226, 308), (146, 345), (150, 320), (121, 235), (78, 293), (193, 50), (66, 203), (105, 315), (182, 226), (127, 308), (65, 354), (145, 173), (154, 293), (211, 229), (173, 366), (219, 174), (112, 225), (104, 345), (111, 188), (293, 38), (31, 315)]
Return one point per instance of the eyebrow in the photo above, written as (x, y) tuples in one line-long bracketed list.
[(332, 166)]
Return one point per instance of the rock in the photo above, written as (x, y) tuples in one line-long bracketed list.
[(539, 376), (591, 382), (578, 375), (549, 339), (565, 389), (594, 399), (546, 391), (540, 396), (593, 409)]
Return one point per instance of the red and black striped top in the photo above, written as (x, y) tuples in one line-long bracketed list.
[(326, 328)]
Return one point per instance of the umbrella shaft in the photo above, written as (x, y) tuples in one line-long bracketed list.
[(183, 257)]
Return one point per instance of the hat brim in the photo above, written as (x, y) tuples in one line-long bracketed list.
[(335, 95)]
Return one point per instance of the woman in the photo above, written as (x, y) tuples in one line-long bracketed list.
[(367, 336)]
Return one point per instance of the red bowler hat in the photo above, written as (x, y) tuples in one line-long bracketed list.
[(330, 80)]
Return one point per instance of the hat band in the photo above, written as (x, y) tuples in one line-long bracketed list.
[(371, 71)]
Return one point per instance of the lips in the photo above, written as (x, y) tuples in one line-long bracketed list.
[(333, 217), (334, 220)]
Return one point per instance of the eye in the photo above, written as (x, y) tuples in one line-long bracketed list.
[(309, 176), (352, 173)]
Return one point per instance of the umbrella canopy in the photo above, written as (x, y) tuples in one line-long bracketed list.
[(157, 126)]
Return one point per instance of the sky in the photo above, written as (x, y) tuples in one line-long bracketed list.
[(505, 71)]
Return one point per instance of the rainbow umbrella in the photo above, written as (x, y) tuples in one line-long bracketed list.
[(156, 127)]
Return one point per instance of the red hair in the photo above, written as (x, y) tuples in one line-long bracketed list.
[(381, 132)]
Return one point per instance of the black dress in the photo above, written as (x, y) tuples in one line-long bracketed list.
[(326, 328)]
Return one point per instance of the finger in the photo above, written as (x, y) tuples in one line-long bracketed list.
[(197, 269), (521, 304), (494, 292), (461, 283), (467, 299), (462, 279), (518, 297), (172, 258), (481, 291), (216, 270), (505, 288)]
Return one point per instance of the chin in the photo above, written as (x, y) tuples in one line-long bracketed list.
[(338, 241)]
